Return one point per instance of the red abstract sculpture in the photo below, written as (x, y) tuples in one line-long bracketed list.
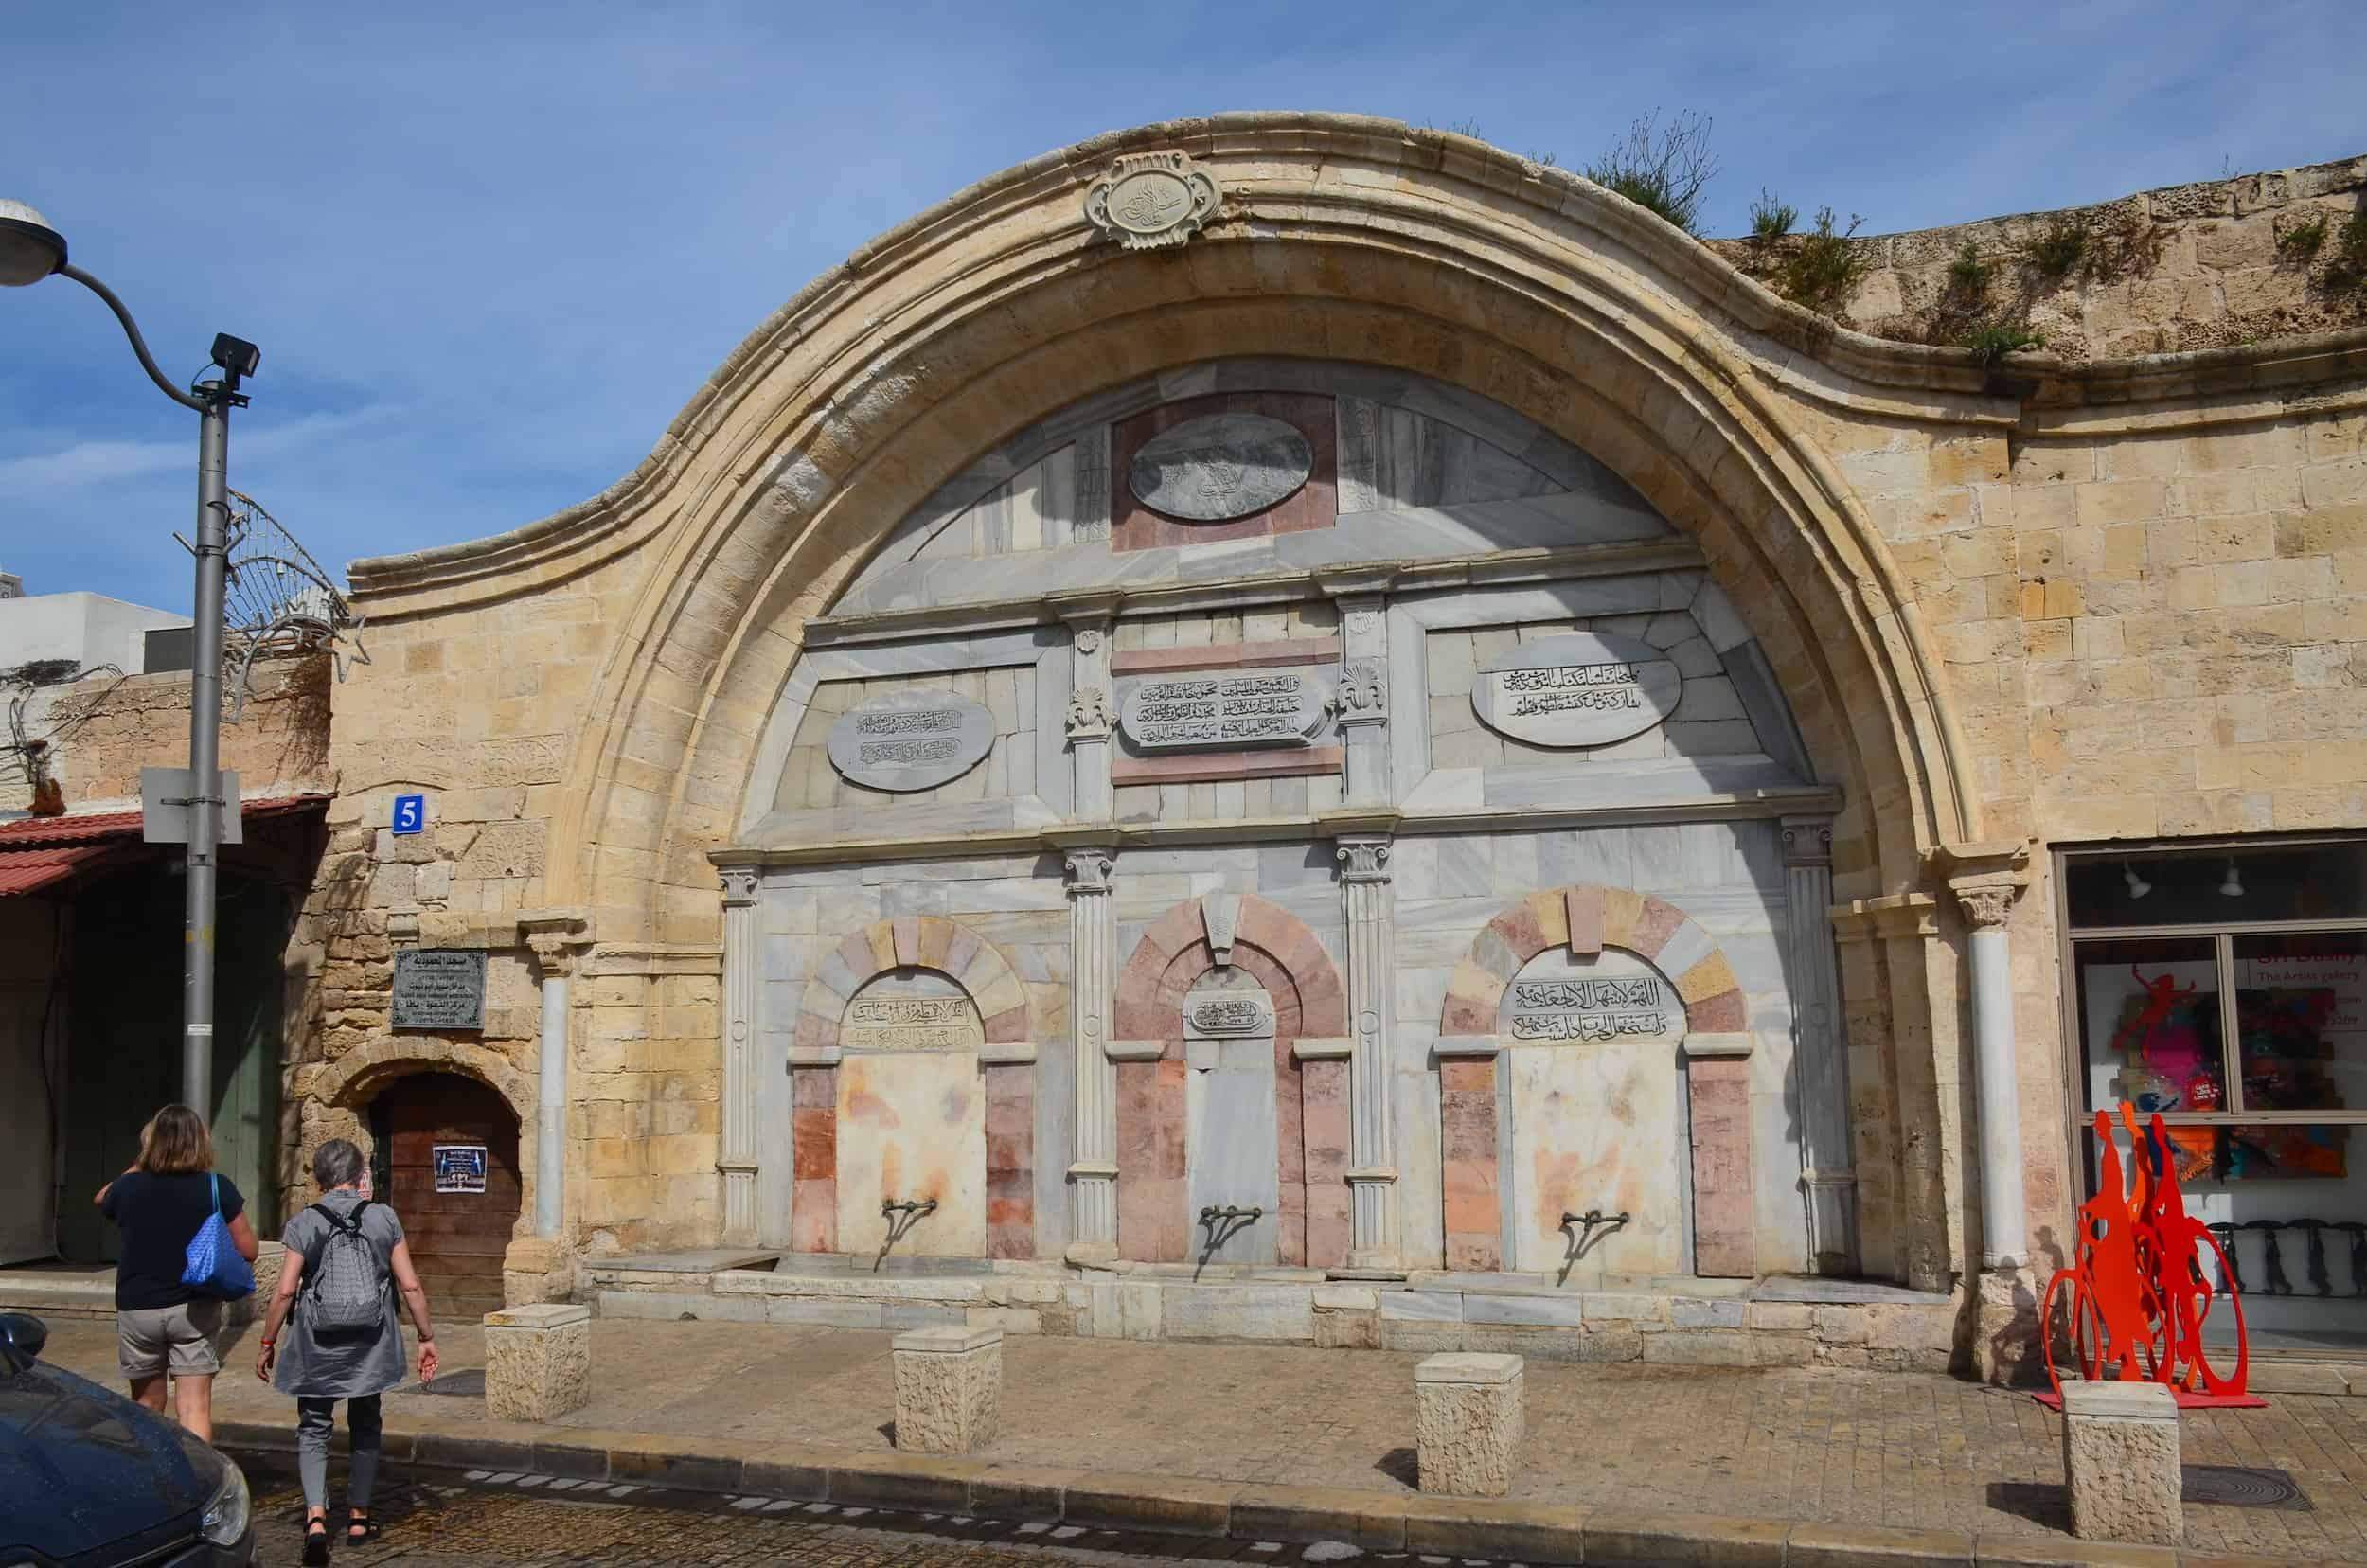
[(2137, 1296)]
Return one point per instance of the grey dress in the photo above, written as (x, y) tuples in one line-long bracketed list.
[(345, 1367)]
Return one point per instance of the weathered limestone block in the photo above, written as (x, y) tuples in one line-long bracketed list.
[(1468, 1422), (538, 1361), (949, 1388), (2121, 1462)]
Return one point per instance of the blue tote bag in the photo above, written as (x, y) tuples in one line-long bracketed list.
[(214, 1267)]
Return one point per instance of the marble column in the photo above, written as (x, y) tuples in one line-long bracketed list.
[(1987, 901), (1819, 1055), (741, 977), (1092, 705), (554, 941), (1092, 940), (1373, 1246)]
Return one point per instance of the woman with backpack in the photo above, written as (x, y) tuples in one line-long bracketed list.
[(347, 1261), (165, 1327)]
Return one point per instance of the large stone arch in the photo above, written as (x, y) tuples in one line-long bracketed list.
[(1339, 238)]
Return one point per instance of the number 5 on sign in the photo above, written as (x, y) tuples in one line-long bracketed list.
[(410, 813)]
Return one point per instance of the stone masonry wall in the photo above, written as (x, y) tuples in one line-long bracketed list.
[(2192, 266), (2143, 607), (102, 731)]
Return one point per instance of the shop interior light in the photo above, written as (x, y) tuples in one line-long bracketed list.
[(2234, 886), (2138, 887)]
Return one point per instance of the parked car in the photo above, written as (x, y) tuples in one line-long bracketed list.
[(90, 1480)]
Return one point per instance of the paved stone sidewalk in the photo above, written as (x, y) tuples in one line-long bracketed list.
[(1900, 1450)]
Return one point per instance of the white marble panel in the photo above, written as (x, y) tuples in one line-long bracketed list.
[(1594, 1127), (913, 1125)]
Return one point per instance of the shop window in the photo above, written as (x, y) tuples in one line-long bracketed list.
[(2226, 989)]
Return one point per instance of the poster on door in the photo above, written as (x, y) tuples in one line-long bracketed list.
[(459, 1168)]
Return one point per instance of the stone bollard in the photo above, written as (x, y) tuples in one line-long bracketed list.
[(538, 1361), (2121, 1462), (1467, 1422), (949, 1388)]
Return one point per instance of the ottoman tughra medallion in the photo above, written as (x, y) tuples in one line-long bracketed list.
[(1149, 200), (1221, 467)]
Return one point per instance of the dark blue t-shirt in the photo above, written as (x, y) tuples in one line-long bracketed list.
[(159, 1217)]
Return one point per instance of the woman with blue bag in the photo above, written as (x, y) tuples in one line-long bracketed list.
[(188, 1247)]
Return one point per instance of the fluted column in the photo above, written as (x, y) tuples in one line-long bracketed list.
[(1093, 937), (1362, 704), (737, 1161), (1369, 898), (1827, 1159)]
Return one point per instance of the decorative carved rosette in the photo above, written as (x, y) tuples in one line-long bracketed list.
[(1089, 717), (1363, 697), (1150, 200)]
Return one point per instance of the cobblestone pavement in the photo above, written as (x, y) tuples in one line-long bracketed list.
[(1858, 1448), (454, 1521)]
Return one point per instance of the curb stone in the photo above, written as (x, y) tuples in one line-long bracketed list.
[(1539, 1533)]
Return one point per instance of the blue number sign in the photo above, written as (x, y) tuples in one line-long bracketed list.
[(410, 813)]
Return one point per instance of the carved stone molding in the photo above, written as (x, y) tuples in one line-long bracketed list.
[(1987, 905), (1364, 695), (1985, 878), (1150, 200), (557, 939), (1807, 840), (1089, 717)]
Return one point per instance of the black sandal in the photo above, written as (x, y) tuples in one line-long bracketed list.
[(360, 1519), (316, 1541)]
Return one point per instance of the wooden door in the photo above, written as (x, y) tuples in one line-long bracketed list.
[(458, 1237)]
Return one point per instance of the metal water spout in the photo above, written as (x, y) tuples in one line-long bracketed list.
[(900, 1217), (1223, 1224), (1582, 1228)]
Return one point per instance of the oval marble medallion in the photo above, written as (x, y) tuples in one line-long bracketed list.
[(1582, 688), (1221, 467), (914, 741)]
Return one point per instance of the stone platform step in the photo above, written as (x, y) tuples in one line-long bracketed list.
[(58, 1293)]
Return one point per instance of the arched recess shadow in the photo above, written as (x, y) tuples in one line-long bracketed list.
[(1588, 918), (915, 941), (346, 1086), (1310, 1097)]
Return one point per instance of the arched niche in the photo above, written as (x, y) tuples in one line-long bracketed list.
[(913, 1079), (1178, 1018), (1603, 992)]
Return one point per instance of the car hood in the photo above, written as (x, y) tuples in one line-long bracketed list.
[(81, 1467)]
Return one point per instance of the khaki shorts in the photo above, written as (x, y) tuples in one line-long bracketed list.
[(176, 1339)]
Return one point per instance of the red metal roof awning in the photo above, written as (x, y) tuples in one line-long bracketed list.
[(38, 852)]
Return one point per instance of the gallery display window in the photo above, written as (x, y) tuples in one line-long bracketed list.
[(2224, 986)]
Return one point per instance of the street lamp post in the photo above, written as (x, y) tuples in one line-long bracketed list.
[(31, 250)]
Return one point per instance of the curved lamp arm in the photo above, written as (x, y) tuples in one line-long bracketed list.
[(131, 331)]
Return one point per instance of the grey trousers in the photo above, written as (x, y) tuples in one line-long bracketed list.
[(315, 1420)]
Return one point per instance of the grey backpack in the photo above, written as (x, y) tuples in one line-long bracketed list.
[(344, 1277)]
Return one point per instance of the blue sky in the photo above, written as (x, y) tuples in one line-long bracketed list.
[(489, 250)]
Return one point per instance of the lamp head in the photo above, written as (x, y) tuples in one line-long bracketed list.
[(236, 355), (31, 250)]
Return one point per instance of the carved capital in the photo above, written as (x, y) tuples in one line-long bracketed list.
[(739, 885), (1987, 901), (1089, 717), (1089, 867), (557, 941), (1364, 859), (1807, 840), (1363, 696), (1150, 200)]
